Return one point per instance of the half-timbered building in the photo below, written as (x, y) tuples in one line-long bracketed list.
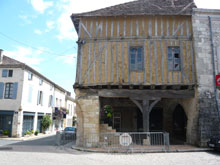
[(138, 59)]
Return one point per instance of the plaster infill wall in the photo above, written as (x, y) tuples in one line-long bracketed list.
[(209, 122), (87, 110)]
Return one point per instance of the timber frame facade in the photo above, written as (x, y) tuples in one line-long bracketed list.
[(137, 57)]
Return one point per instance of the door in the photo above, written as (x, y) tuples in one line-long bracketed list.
[(6, 123), (39, 124), (117, 121), (28, 122)]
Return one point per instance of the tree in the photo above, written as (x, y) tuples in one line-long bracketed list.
[(46, 122)]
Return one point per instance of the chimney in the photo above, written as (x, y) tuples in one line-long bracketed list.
[(1, 55)]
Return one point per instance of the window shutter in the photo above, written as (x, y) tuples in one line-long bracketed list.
[(49, 101), (30, 94), (53, 101), (42, 98), (15, 89), (38, 97), (4, 73), (1, 90)]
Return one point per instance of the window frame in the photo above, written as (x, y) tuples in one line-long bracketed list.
[(9, 94), (30, 76), (136, 63), (7, 73), (41, 81), (173, 60)]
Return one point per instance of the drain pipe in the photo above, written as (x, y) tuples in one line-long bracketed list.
[(213, 63)]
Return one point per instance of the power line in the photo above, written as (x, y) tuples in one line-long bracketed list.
[(35, 48)]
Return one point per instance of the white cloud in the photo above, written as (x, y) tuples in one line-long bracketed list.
[(50, 24), (37, 31), (25, 55), (67, 59), (210, 4), (25, 18), (41, 5), (67, 7)]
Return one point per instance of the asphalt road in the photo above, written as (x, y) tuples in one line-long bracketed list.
[(44, 145), (44, 152)]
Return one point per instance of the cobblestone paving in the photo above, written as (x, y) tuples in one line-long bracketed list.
[(194, 158)]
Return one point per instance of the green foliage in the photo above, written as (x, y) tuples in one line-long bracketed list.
[(5, 132), (108, 111), (36, 132), (67, 111), (32, 131), (27, 133), (46, 122), (74, 120)]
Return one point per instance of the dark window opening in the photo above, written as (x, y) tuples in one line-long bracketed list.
[(10, 73), (174, 62)]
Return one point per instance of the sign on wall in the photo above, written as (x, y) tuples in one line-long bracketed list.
[(218, 80)]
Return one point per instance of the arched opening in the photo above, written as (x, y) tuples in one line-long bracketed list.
[(156, 120), (179, 125)]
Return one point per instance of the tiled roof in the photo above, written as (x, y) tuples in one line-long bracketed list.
[(141, 7), (146, 7), (7, 60)]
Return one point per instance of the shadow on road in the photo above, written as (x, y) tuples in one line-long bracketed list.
[(216, 153), (46, 145)]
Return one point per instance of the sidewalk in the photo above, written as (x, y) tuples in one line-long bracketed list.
[(32, 137)]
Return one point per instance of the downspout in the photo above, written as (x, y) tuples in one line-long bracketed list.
[(213, 63)]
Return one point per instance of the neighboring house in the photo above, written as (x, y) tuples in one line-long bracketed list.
[(206, 34), (26, 96), (138, 58)]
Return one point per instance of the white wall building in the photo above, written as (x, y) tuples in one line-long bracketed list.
[(26, 96)]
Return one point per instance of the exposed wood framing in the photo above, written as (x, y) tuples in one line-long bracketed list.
[(147, 94)]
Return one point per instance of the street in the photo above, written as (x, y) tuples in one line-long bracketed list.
[(44, 151)]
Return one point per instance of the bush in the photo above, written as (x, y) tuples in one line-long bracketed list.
[(5, 132), (27, 133), (46, 122), (32, 131), (36, 132)]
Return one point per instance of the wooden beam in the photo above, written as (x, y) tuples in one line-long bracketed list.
[(139, 105), (146, 94)]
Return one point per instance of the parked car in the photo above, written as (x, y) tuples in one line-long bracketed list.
[(214, 143), (70, 132)]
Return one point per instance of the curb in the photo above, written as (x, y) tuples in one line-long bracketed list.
[(130, 151)]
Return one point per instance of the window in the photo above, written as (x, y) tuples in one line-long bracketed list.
[(174, 59), (136, 58), (41, 81), (40, 98), (7, 73), (50, 100), (30, 76), (8, 90)]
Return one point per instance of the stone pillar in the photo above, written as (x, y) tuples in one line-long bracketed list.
[(87, 110), (208, 118)]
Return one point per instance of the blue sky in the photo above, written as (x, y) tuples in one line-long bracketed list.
[(40, 33)]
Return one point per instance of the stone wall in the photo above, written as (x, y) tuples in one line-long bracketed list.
[(87, 109), (209, 121), (189, 106)]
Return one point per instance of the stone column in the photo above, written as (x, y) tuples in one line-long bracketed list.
[(87, 119)]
